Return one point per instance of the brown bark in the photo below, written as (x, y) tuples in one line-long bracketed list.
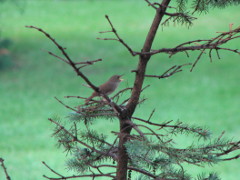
[(143, 59), (122, 153), (125, 128)]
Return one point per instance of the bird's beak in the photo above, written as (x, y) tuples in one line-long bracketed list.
[(121, 78)]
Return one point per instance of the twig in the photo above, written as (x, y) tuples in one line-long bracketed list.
[(194, 64), (232, 158), (89, 62), (178, 126), (4, 169), (234, 146), (130, 168), (179, 17), (206, 44), (151, 115), (151, 131), (54, 55), (171, 71), (74, 138), (78, 97), (145, 87), (81, 176), (219, 138), (66, 105), (227, 49), (151, 4), (116, 108), (210, 54), (70, 62), (112, 146), (118, 38), (126, 100), (45, 164), (134, 126), (120, 92)]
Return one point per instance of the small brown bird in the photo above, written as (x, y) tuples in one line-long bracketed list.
[(108, 87)]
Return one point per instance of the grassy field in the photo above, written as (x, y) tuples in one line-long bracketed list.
[(208, 96)]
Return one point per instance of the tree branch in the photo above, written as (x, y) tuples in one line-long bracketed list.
[(171, 71), (75, 139), (151, 4), (4, 169), (179, 17), (89, 62), (68, 59), (68, 107), (116, 108), (234, 146), (93, 175), (45, 164), (206, 44), (177, 126), (118, 38), (134, 126)]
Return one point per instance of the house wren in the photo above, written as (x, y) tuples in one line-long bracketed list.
[(107, 88)]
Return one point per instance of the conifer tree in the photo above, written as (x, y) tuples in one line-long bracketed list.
[(138, 150)]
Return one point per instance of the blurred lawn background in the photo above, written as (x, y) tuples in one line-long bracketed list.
[(208, 96)]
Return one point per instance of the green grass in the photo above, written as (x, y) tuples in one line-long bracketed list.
[(208, 96)]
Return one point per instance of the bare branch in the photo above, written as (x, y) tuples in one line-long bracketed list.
[(126, 100), (121, 91), (78, 97), (151, 4), (4, 169), (89, 62), (118, 38), (164, 6), (206, 44), (227, 49), (232, 158), (45, 164), (112, 147), (194, 64), (70, 62), (108, 39), (68, 107), (157, 136), (134, 126), (93, 175), (153, 111), (116, 108), (171, 71), (54, 55)]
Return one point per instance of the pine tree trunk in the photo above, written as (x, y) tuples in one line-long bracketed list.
[(125, 128), (122, 164)]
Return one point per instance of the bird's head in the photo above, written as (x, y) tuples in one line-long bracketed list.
[(116, 78)]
